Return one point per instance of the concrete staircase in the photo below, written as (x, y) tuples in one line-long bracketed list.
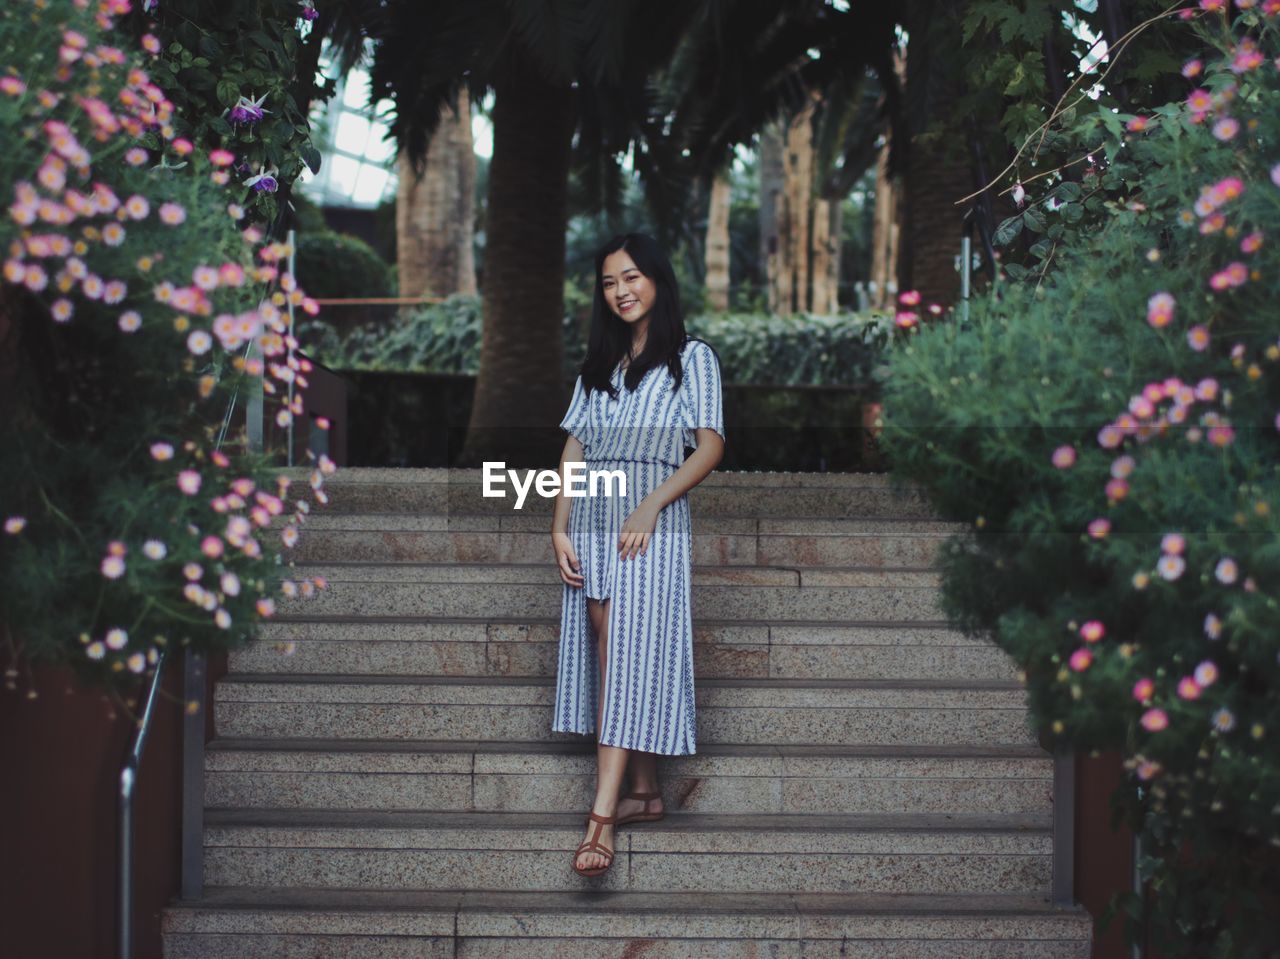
[(384, 782)]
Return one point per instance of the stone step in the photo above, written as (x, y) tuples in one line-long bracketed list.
[(529, 647), (753, 712), (458, 776), (687, 852), (719, 494), (291, 923), (366, 590), (719, 541)]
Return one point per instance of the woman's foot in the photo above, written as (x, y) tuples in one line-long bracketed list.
[(640, 806), (596, 852)]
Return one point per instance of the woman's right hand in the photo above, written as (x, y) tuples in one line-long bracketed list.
[(567, 560)]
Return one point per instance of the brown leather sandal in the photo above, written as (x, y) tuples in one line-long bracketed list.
[(592, 844), (646, 815)]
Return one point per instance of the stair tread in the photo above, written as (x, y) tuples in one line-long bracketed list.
[(817, 750), (254, 898), (771, 823), (375, 679)]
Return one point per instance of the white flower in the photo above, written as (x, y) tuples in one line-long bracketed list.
[(117, 638), (154, 549)]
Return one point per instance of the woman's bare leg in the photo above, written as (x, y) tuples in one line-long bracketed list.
[(611, 761)]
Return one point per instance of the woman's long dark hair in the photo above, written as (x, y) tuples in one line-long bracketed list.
[(610, 336)]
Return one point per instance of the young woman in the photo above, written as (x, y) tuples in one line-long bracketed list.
[(646, 391)]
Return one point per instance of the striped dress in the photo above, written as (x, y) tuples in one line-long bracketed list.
[(648, 690)]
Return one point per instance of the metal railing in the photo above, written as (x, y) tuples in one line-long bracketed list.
[(128, 780)]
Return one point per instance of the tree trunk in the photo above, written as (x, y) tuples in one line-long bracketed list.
[(435, 212), (939, 169), (884, 235), (718, 245), (771, 199), (834, 242), (520, 395), (799, 193), (821, 298)]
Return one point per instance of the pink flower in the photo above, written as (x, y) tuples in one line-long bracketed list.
[(1122, 466), (172, 214), (905, 319), (1226, 128), (266, 607), (1064, 457), (1137, 124), (1188, 688), (1206, 673), (1092, 631), (1252, 242), (1160, 309), (1154, 720), (1207, 389), (909, 298), (12, 86), (1081, 659), (150, 43), (1143, 689), (14, 525), (1212, 626), (189, 482), (112, 567), (211, 546), (1173, 543), (1110, 436), (1099, 528), (1199, 100), (1275, 174), (62, 310), (1198, 338), (221, 157), (1222, 434), (161, 451), (1247, 56), (1226, 571), (1192, 68), (1117, 489), (1170, 567), (182, 146)]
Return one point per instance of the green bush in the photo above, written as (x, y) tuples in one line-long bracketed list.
[(337, 265), (844, 350), (1109, 427)]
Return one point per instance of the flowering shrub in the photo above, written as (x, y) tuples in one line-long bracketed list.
[(1111, 427), (130, 294), (240, 78)]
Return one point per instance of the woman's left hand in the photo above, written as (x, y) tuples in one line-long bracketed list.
[(637, 531)]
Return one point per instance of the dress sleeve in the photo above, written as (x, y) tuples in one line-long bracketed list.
[(702, 403), (575, 420)]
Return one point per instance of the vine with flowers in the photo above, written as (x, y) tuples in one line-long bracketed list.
[(131, 289), (1122, 482), (240, 75)]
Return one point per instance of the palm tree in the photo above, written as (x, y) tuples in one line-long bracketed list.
[(435, 211)]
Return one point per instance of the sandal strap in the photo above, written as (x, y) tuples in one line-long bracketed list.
[(603, 820)]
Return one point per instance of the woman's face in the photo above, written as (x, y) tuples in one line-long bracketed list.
[(627, 291)]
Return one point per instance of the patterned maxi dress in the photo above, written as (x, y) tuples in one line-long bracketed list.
[(648, 694)]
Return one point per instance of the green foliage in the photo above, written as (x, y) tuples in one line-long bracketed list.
[(797, 350), (128, 296), (1118, 455), (214, 54), (337, 265)]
